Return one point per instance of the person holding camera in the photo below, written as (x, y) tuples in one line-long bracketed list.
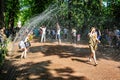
[(93, 42)]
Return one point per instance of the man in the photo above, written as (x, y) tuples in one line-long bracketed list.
[(43, 36)]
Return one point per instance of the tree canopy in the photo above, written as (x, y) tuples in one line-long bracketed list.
[(77, 13)]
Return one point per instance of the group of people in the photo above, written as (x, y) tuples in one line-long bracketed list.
[(44, 33), (112, 37), (24, 44), (93, 41), (57, 33), (94, 35)]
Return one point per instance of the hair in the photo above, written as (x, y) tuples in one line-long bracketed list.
[(92, 28)]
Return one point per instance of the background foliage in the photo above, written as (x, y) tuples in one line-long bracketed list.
[(79, 13)]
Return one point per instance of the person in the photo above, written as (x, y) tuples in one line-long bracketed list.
[(98, 34), (36, 32), (117, 33), (53, 33), (43, 36), (58, 33), (48, 34), (24, 46), (2, 37), (93, 42), (74, 35), (116, 37), (78, 38), (65, 30)]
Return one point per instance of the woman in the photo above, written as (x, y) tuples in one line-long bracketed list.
[(58, 33), (93, 41), (24, 45), (23, 48)]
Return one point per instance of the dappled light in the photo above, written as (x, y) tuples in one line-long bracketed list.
[(59, 39)]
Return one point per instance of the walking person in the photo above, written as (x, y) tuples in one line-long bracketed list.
[(65, 31), (93, 42), (24, 46), (58, 33)]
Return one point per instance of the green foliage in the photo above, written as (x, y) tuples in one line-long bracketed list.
[(74, 13), (30, 8), (3, 51), (11, 12)]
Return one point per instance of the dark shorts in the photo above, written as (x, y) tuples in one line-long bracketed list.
[(58, 36)]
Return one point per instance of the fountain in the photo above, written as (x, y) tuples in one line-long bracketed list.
[(47, 18)]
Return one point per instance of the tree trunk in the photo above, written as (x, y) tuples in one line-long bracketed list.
[(11, 20), (1, 13)]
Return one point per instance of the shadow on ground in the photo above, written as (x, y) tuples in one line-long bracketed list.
[(65, 51), (38, 71), (62, 51)]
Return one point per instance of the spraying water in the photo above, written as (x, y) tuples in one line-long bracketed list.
[(48, 17), (37, 21)]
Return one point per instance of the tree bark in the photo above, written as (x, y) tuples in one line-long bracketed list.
[(2, 13)]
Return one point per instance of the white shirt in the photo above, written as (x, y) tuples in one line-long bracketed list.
[(74, 32), (65, 31), (22, 44), (58, 31), (43, 30)]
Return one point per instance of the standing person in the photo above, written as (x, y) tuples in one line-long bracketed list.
[(58, 33), (65, 33), (2, 37), (48, 34), (117, 33), (98, 34), (36, 32), (53, 33), (43, 36), (74, 35), (78, 38), (93, 41)]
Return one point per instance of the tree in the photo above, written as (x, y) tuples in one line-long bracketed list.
[(12, 9), (2, 24)]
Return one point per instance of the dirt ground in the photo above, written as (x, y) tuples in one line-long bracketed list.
[(50, 61)]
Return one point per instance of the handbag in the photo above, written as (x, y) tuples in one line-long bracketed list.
[(27, 44)]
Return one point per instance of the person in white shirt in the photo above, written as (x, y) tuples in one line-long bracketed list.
[(116, 32), (74, 35), (58, 33), (24, 46), (43, 37)]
